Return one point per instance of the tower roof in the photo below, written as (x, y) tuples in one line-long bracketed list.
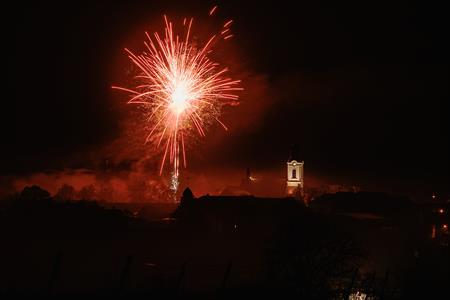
[(295, 153)]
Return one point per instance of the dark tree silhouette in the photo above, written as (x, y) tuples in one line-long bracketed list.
[(187, 197), (65, 193), (87, 193), (34, 193), (310, 260)]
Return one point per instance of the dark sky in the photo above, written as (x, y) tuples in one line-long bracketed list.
[(362, 87)]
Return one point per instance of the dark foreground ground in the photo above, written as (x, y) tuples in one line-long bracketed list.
[(222, 247)]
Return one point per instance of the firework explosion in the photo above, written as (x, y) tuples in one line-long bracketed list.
[(181, 90)]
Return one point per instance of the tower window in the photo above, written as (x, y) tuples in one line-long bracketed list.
[(294, 173)]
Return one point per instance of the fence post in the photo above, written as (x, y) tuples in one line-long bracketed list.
[(226, 276), (181, 277), (55, 272), (384, 284), (125, 274)]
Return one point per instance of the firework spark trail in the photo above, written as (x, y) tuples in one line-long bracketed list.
[(213, 10), (180, 88)]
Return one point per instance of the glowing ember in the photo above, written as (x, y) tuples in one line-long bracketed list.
[(181, 90)]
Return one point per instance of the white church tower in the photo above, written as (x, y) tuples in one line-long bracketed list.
[(294, 186)]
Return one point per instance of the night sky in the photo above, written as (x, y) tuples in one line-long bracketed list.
[(361, 87)]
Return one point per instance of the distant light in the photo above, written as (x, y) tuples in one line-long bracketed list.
[(433, 196), (357, 296), (441, 211), (445, 226)]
